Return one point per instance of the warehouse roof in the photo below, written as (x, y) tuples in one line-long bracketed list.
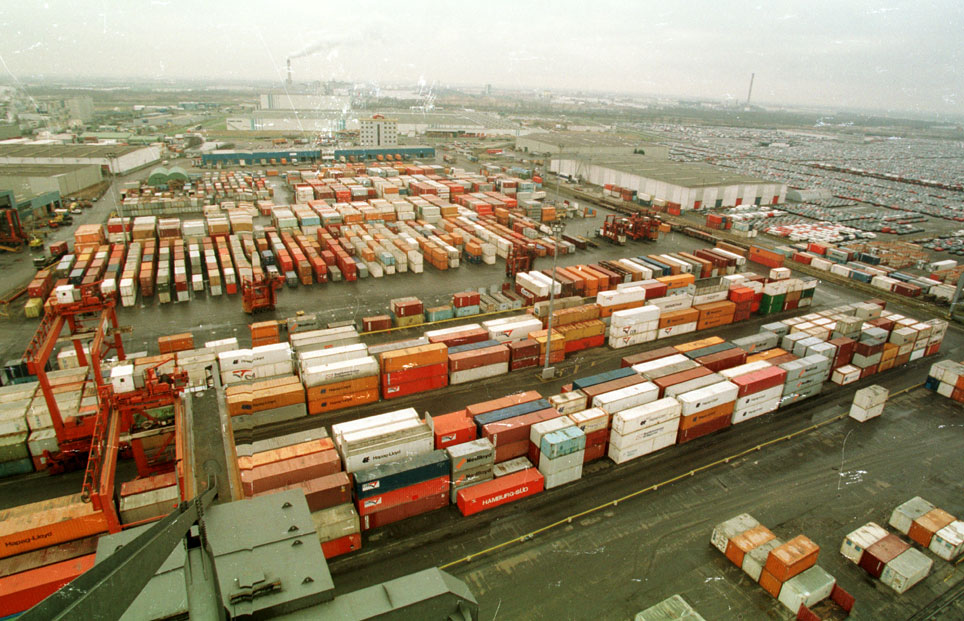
[(38, 170), (65, 150), (585, 139), (684, 174)]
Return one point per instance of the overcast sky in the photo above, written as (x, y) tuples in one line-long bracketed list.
[(885, 54)]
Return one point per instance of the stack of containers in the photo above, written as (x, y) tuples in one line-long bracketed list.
[(451, 429), (946, 378), (401, 488), (474, 361), (338, 377), (268, 401), (805, 378), (593, 422), (868, 403), (260, 362), (278, 467), (506, 488), (633, 326), (760, 387), (506, 422), (523, 354), (792, 560), (561, 456), (382, 438), (706, 410), (414, 369), (886, 557), (470, 463), (510, 329), (930, 527), (16, 449), (538, 430), (407, 311), (644, 429)]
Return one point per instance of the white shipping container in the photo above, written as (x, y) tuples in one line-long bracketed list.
[(757, 409), (709, 397), (644, 434), (618, 342), (907, 569), (382, 453), (556, 479), (547, 426), (673, 302), (626, 398), (904, 514), (340, 371), (744, 369), (683, 328), (724, 531), (372, 422), (658, 411), (335, 354), (948, 542), (469, 375), (652, 445), (632, 316), (591, 420), (564, 462), (756, 398), (568, 402), (515, 331), (856, 542), (654, 365), (693, 384), (864, 414), (807, 589)]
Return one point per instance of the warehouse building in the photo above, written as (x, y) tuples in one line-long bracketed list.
[(295, 101), (118, 159), (226, 157), (441, 124), (588, 143), (683, 184), (42, 179)]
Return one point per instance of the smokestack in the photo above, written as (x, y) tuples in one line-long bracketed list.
[(288, 81), (750, 92)]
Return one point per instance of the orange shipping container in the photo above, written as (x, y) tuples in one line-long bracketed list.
[(247, 462), (412, 357), (678, 318), (738, 546), (47, 523), (175, 343), (321, 393), (337, 402), (723, 410), (795, 556), (700, 344), (678, 281), (766, 355)]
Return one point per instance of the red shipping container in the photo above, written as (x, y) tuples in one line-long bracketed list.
[(500, 491), (406, 510), (475, 409), (758, 381), (478, 358), (516, 429), (723, 360), (413, 374), (402, 495), (702, 429), (647, 356), (876, 556), (526, 348), (465, 337), (453, 428), (23, 590), (523, 363), (290, 471), (505, 452), (321, 493), (410, 388), (595, 452), (677, 378), (342, 545), (468, 298)]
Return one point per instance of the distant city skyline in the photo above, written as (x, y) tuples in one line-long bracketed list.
[(901, 57)]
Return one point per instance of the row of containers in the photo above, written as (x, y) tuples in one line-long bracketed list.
[(858, 266), (381, 469), (187, 263), (786, 570), (946, 378)]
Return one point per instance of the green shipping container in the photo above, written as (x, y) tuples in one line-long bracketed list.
[(770, 304), (439, 313)]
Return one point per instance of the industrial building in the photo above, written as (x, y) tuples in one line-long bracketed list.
[(118, 159), (39, 179), (588, 143), (687, 185), (294, 101), (378, 132)]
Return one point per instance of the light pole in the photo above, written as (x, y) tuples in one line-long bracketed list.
[(557, 228)]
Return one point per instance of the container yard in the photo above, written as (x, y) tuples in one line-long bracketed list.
[(314, 346)]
